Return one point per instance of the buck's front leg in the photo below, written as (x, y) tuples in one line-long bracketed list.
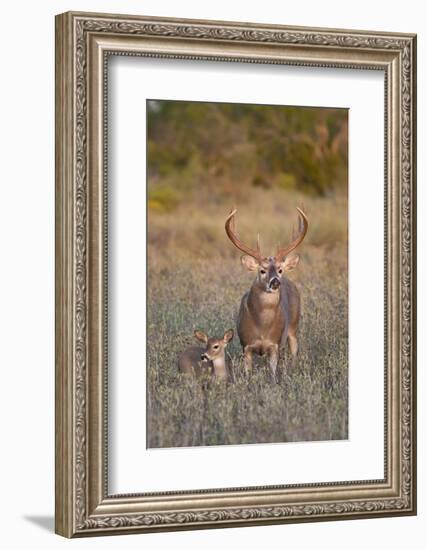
[(293, 348), (248, 356), (273, 359)]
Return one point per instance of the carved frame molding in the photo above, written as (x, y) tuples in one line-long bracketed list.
[(83, 43)]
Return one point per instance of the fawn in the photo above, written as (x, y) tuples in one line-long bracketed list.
[(210, 359)]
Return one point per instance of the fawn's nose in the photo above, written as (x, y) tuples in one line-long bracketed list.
[(274, 283)]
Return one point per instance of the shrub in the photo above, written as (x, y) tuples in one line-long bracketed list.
[(163, 199)]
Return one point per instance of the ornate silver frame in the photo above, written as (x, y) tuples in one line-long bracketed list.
[(83, 42)]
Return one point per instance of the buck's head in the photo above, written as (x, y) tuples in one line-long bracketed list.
[(269, 269), (214, 346)]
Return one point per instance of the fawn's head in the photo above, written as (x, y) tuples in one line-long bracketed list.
[(269, 269), (214, 346)]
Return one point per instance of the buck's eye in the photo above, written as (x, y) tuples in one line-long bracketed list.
[(216, 346), (280, 271), (262, 271)]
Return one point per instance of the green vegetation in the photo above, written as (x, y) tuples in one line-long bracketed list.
[(162, 199), (197, 147), (203, 159)]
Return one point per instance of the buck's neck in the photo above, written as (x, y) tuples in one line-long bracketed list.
[(259, 297), (264, 307)]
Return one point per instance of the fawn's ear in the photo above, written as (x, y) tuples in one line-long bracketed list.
[(290, 263), (250, 263), (201, 336), (228, 336)]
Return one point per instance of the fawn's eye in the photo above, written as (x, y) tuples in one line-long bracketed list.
[(262, 271), (280, 271), (216, 346)]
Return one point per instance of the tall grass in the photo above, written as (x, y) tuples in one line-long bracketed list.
[(196, 281)]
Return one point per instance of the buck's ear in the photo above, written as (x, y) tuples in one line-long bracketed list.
[(250, 263), (201, 336), (290, 263), (228, 336)]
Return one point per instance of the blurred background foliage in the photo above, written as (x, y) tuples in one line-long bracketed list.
[(204, 158), (195, 148)]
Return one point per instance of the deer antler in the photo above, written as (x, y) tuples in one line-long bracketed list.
[(230, 229), (302, 230)]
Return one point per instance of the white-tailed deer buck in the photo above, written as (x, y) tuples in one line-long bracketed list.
[(210, 359), (270, 310)]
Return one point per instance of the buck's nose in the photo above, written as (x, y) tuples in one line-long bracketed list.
[(274, 283), (204, 357)]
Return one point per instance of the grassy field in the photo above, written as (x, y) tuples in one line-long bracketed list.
[(196, 281)]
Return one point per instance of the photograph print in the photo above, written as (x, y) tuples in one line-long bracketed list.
[(247, 289)]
